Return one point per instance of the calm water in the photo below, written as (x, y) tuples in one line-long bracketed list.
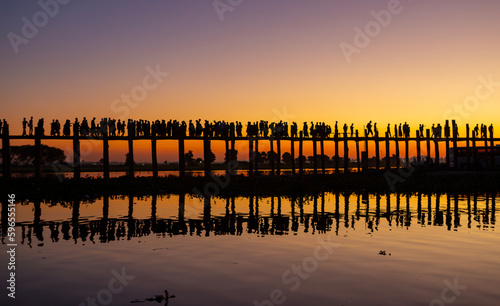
[(322, 250)]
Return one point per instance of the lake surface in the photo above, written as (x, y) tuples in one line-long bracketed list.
[(332, 249)]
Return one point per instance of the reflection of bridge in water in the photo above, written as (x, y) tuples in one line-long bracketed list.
[(306, 215)]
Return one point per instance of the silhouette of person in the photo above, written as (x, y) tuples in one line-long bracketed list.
[(24, 126), (67, 128), (30, 126), (352, 130), (369, 128), (388, 130)]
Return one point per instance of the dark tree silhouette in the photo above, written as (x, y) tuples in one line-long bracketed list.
[(128, 159), (262, 157), (188, 158), (211, 157), (286, 158), (26, 155), (301, 157), (273, 155), (230, 155)]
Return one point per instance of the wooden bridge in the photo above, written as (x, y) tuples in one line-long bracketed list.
[(487, 145)]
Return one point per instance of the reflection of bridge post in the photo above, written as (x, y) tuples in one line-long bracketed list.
[(301, 209), (279, 206), (75, 219), (456, 222), (468, 211), (388, 208), (104, 221), (130, 207), (438, 214), (257, 208), (419, 207), (182, 205), (154, 201), (346, 209), (377, 208), (130, 221), (493, 208), (408, 212), (337, 212), (206, 216), (398, 206), (37, 227), (475, 203), (105, 207), (272, 207), (429, 209)]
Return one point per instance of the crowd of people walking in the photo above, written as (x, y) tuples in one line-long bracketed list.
[(173, 128)]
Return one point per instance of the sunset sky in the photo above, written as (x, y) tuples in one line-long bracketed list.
[(421, 62)]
